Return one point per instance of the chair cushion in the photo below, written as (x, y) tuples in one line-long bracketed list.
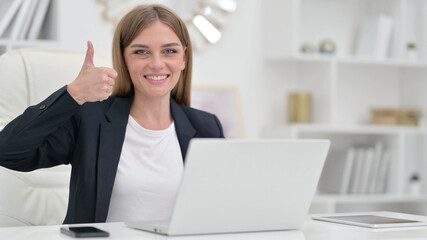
[(33, 74)]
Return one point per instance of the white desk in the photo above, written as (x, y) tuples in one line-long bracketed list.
[(312, 230)]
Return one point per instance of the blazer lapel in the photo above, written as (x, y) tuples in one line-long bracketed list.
[(184, 129), (111, 139)]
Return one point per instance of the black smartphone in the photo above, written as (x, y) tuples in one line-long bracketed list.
[(81, 232)]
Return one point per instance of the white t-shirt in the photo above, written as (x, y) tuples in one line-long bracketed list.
[(148, 175)]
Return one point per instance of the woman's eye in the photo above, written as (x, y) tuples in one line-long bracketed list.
[(170, 51), (143, 52)]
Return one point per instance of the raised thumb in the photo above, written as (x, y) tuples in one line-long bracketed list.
[(90, 52)]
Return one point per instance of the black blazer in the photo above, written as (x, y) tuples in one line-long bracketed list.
[(90, 138)]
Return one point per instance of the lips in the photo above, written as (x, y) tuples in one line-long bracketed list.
[(157, 78)]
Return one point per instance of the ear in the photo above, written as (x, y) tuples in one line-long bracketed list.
[(184, 59)]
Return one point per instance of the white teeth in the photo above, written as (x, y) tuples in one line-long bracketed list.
[(156, 78)]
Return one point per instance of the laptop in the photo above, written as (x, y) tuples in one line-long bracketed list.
[(241, 185)]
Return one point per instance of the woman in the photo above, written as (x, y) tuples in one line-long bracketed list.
[(126, 150)]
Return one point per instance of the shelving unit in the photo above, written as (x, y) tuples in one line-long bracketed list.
[(360, 203), (48, 37), (345, 88)]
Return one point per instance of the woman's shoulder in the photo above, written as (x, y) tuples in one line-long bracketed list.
[(205, 123), (196, 113)]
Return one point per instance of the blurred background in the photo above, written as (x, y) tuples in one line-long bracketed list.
[(352, 71)]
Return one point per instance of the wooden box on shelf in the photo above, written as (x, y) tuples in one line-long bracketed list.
[(408, 117)]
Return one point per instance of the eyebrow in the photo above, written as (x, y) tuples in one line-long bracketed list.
[(145, 46)]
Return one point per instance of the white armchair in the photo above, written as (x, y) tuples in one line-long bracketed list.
[(27, 76)]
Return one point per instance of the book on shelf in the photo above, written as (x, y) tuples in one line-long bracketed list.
[(356, 170), (38, 19), (19, 20), (23, 31), (8, 10), (373, 179), (348, 165), (375, 37), (365, 177), (383, 171)]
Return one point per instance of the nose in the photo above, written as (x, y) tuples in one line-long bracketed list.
[(156, 62)]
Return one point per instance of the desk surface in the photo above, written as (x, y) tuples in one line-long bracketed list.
[(312, 230)]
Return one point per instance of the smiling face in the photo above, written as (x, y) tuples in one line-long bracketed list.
[(155, 59)]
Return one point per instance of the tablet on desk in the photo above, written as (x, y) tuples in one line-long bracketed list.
[(375, 219)]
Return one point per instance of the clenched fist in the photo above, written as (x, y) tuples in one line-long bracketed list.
[(93, 83)]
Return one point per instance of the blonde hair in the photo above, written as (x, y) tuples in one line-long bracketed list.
[(127, 30)]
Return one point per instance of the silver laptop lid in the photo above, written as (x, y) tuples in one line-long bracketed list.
[(239, 185)]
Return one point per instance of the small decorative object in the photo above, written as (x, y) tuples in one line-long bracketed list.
[(299, 106), (327, 46), (308, 48), (414, 184), (411, 51)]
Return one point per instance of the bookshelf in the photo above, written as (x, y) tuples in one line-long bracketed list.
[(34, 23), (346, 86)]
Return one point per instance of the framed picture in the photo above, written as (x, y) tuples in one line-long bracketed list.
[(224, 102)]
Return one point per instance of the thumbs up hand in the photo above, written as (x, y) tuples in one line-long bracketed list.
[(93, 83)]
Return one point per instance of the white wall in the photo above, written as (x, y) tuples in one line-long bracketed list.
[(237, 59), (80, 21)]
